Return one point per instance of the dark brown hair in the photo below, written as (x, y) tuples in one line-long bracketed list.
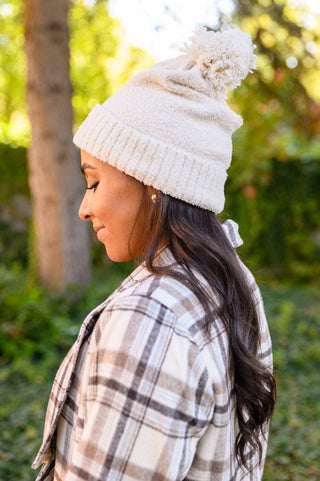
[(196, 239)]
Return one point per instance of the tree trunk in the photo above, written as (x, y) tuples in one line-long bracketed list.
[(61, 238)]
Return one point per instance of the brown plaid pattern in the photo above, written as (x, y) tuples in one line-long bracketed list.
[(145, 393)]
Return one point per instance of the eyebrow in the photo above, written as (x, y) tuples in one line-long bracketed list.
[(86, 166)]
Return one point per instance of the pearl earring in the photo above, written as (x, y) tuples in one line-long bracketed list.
[(154, 198)]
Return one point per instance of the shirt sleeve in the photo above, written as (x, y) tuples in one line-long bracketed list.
[(149, 398)]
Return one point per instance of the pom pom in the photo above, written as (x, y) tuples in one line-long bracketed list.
[(223, 58)]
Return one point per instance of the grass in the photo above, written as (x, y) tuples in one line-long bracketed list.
[(294, 319), (293, 454)]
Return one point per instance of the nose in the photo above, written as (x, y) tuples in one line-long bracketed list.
[(85, 211)]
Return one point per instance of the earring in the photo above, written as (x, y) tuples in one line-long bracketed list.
[(154, 198)]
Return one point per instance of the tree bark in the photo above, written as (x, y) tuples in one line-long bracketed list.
[(61, 238)]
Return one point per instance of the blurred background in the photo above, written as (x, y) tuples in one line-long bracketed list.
[(57, 60)]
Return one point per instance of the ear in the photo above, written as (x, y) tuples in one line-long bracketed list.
[(150, 191)]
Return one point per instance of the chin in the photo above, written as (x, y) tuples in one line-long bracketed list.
[(115, 255)]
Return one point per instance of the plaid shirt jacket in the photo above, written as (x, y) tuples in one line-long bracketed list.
[(144, 393)]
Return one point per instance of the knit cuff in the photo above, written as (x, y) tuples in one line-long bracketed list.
[(151, 161)]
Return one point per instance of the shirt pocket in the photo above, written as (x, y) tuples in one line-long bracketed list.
[(82, 413), (80, 422)]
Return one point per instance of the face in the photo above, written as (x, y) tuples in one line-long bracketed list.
[(111, 203)]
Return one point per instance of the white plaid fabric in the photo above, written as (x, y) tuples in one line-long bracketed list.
[(145, 393)]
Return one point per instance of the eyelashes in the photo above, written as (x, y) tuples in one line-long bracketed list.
[(93, 186)]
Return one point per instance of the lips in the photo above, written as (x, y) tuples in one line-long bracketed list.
[(98, 227)]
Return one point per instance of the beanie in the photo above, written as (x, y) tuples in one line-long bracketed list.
[(170, 126)]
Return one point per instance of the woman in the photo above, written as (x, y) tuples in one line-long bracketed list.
[(171, 376)]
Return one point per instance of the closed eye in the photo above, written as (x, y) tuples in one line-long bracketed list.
[(93, 186)]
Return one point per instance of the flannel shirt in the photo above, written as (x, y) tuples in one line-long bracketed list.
[(145, 393)]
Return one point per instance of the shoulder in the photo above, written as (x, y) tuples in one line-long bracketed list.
[(141, 331), (157, 315), (159, 298), (162, 315)]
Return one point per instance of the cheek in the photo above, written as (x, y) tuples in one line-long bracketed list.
[(117, 213)]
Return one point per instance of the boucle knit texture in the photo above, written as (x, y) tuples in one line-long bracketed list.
[(170, 126)]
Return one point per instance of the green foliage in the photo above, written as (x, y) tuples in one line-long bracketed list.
[(278, 211), (280, 107), (31, 318), (21, 421), (273, 181), (28, 318), (13, 172), (102, 60), (89, 54), (286, 84), (14, 204), (294, 319), (14, 124)]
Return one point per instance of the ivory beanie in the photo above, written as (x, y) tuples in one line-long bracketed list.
[(170, 126)]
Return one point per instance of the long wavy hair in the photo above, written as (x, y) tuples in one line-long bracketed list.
[(196, 240)]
